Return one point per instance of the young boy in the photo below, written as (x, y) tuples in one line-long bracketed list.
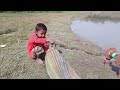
[(111, 55), (37, 46)]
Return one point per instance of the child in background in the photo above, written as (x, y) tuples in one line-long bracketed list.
[(111, 55), (37, 46)]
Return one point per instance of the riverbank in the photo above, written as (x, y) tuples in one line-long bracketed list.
[(83, 56)]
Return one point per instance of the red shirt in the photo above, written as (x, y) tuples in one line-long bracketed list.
[(35, 41)]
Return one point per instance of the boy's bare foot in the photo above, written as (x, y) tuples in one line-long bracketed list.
[(39, 61)]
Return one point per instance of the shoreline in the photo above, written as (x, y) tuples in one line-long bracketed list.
[(83, 39), (87, 54)]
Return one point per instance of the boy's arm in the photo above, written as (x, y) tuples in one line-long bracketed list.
[(40, 40)]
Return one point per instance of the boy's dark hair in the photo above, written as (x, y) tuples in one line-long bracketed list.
[(40, 26)]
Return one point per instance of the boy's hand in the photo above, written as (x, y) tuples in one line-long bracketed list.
[(50, 43), (50, 40)]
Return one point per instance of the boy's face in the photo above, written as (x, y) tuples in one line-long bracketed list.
[(41, 33)]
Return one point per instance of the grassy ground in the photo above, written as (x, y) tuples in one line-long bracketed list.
[(15, 29)]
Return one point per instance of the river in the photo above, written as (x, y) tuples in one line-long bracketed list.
[(103, 33)]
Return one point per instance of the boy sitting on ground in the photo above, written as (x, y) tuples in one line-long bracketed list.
[(37, 43)]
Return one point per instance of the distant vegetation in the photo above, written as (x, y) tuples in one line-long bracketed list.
[(102, 16), (98, 19), (31, 11)]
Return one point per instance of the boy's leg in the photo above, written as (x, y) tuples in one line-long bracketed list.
[(38, 50)]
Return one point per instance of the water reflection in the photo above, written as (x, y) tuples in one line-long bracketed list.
[(104, 33)]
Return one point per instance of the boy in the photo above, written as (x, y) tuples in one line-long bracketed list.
[(111, 55), (37, 46)]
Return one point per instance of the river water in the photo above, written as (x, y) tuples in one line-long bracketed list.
[(103, 33)]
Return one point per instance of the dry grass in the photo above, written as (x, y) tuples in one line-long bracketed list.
[(15, 29)]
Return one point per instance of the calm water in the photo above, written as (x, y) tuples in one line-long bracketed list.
[(104, 34)]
